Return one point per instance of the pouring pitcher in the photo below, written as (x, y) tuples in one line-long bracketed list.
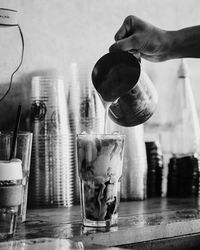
[(120, 81)]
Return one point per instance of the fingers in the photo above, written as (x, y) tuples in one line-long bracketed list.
[(121, 33), (126, 44), (136, 54), (125, 37), (126, 29)]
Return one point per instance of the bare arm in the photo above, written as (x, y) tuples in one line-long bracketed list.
[(184, 43), (155, 44)]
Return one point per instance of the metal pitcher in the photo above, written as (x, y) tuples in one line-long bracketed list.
[(120, 80)]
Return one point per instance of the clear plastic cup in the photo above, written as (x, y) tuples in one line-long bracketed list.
[(100, 161), (49, 113), (23, 152), (11, 196), (52, 173)]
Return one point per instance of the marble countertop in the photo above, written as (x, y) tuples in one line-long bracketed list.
[(139, 221)]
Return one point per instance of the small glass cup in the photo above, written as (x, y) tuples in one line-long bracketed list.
[(23, 152), (100, 161), (11, 196)]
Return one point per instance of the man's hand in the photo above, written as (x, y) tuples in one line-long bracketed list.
[(138, 36)]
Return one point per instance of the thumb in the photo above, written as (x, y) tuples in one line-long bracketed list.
[(114, 47)]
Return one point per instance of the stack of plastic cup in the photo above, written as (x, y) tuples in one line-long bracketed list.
[(134, 176), (74, 120), (91, 109), (86, 113), (51, 176)]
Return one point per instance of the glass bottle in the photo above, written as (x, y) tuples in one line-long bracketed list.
[(183, 173)]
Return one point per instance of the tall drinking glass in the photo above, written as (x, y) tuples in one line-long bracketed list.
[(100, 160), (23, 152)]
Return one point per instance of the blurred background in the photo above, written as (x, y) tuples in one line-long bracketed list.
[(59, 32)]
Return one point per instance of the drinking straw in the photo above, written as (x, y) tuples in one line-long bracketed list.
[(15, 132)]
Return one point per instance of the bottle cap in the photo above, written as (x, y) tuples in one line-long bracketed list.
[(11, 170), (183, 70)]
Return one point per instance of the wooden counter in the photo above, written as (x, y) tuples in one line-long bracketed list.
[(139, 221)]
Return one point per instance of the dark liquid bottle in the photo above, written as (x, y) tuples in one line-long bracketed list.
[(154, 168), (183, 176), (183, 168)]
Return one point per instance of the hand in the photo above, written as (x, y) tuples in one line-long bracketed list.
[(138, 36)]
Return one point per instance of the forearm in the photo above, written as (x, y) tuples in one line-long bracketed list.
[(183, 43)]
